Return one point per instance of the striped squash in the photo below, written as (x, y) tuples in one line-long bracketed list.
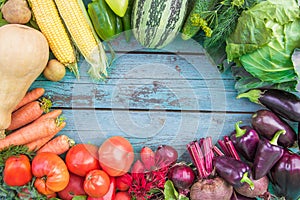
[(156, 23)]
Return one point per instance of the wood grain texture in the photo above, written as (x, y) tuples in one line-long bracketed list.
[(151, 81), (151, 97)]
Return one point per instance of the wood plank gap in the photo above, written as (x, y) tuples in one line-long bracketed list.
[(159, 53), (155, 110)]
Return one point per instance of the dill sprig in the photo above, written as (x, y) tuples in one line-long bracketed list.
[(222, 19)]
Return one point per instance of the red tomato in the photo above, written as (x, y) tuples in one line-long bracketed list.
[(74, 187), (96, 183), (121, 182), (116, 155), (17, 171), (110, 195), (122, 196), (51, 173), (82, 158)]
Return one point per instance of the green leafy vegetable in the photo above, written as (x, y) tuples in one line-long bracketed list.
[(2, 21), (171, 193), (245, 81), (262, 44), (259, 25)]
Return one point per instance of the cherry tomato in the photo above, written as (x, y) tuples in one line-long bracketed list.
[(121, 183), (116, 156), (96, 183), (74, 188), (51, 173), (118, 6), (82, 158), (17, 171), (122, 195)]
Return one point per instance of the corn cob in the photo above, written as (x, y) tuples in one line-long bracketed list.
[(51, 25), (81, 30)]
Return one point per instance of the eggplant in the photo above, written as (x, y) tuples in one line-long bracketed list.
[(267, 123), (245, 140), (281, 102)]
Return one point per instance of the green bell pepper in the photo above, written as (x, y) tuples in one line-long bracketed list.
[(127, 21), (103, 19), (119, 25)]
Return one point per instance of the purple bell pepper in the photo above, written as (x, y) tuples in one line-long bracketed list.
[(234, 171), (267, 154), (245, 140), (285, 176)]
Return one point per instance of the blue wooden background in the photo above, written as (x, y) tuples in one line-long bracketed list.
[(152, 97)]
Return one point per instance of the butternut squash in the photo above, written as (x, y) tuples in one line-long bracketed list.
[(24, 53)]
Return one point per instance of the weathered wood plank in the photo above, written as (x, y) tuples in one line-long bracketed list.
[(151, 81), (149, 128), (148, 94), (164, 66)]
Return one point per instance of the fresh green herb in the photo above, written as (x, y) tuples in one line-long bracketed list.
[(2, 2), (27, 191), (14, 151), (2, 21)]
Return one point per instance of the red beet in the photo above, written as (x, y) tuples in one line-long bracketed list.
[(211, 189)]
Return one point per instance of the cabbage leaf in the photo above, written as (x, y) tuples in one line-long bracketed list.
[(263, 42)]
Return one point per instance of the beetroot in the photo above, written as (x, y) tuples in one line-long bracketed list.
[(237, 196), (211, 189), (260, 189)]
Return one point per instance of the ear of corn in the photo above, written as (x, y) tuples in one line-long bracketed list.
[(81, 30), (51, 25)]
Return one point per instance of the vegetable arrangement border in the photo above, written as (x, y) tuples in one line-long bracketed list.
[(257, 38)]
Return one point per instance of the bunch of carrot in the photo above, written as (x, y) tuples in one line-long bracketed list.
[(35, 126)]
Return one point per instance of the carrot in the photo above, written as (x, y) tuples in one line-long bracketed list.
[(28, 113), (58, 145), (30, 96), (34, 131), (52, 114), (37, 144)]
